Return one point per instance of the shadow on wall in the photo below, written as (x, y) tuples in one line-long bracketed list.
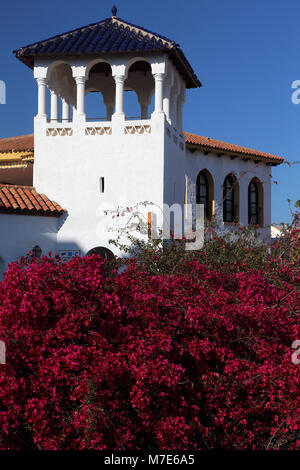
[(66, 252)]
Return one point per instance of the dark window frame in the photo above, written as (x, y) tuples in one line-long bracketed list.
[(228, 199), (200, 197), (253, 213)]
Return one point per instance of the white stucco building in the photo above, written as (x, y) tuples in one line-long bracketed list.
[(91, 166)]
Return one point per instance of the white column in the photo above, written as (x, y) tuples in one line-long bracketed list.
[(53, 106), (159, 83), (119, 80), (65, 110), (80, 96), (42, 87)]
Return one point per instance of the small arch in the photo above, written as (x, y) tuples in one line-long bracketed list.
[(60, 79), (100, 91), (102, 251), (231, 199), (255, 202), (133, 61), (140, 80), (92, 64), (54, 65), (205, 192)]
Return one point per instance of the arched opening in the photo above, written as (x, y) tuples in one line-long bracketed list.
[(205, 193), (255, 202), (139, 80), (102, 252), (231, 197), (100, 93), (62, 87)]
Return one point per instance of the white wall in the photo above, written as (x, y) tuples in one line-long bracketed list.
[(219, 168), (68, 168), (20, 233)]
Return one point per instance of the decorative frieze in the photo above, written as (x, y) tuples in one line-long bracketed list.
[(139, 129), (98, 130), (62, 131)]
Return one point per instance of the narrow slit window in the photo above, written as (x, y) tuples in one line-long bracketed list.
[(101, 180)]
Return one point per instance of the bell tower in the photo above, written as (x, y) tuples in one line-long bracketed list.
[(90, 163)]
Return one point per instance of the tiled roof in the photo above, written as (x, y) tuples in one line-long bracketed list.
[(20, 143), (212, 144), (112, 35), (24, 200), (16, 152), (16, 159)]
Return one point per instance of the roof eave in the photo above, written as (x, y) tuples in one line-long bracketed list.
[(193, 80), (242, 155)]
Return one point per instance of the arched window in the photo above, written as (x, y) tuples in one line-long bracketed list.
[(255, 202), (102, 252), (205, 192), (202, 193), (229, 198)]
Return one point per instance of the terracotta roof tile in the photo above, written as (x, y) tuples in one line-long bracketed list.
[(24, 200), (19, 143), (208, 143)]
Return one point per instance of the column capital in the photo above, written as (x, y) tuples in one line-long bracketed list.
[(119, 78), (159, 76), (80, 80), (41, 81)]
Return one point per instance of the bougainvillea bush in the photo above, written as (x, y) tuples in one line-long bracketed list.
[(197, 357)]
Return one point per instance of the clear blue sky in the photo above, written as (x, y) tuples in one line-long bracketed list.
[(246, 54)]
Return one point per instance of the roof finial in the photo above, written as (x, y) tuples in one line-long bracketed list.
[(114, 11)]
